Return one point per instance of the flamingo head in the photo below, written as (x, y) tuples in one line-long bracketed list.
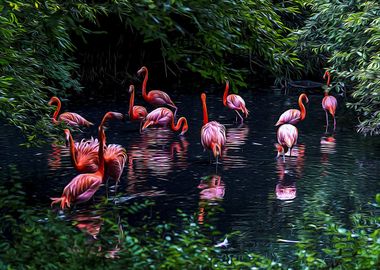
[(304, 96), (326, 75), (185, 127), (53, 100), (131, 88), (147, 124), (141, 70), (216, 150), (280, 149), (67, 137), (203, 97)]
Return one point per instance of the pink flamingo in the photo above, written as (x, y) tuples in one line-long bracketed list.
[(213, 134), (71, 119), (163, 117), (155, 97), (287, 136), (234, 102), (293, 116), (136, 113), (84, 154), (84, 186), (329, 103), (115, 155)]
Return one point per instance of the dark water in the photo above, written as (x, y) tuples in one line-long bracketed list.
[(340, 176)]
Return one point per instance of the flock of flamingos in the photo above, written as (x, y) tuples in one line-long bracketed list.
[(97, 162)]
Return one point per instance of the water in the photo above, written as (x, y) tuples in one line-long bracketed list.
[(251, 192)]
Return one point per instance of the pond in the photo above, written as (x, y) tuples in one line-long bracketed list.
[(250, 192)]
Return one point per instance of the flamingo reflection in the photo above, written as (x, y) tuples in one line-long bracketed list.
[(328, 144), (89, 222), (286, 186), (212, 190), (236, 139), (55, 157)]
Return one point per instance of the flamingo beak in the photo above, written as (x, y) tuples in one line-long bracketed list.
[(147, 124)]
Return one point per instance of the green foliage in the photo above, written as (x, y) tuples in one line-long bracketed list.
[(343, 36)]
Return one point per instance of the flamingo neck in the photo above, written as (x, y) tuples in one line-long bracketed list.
[(226, 93), (144, 85), (72, 151), (205, 115), (180, 121), (302, 107), (131, 103), (102, 139), (57, 110), (328, 79)]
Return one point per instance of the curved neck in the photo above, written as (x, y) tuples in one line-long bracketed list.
[(328, 78), (131, 103), (72, 151), (144, 84), (57, 110), (226, 93), (180, 121), (302, 107), (205, 115)]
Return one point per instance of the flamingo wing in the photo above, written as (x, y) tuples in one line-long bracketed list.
[(115, 158), (213, 133), (87, 155), (158, 97), (74, 119), (79, 190), (291, 116), (236, 102), (287, 135)]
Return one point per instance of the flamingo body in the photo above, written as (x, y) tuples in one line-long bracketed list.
[(293, 116), (163, 117), (213, 134), (115, 157), (213, 137), (329, 103), (84, 154), (235, 102), (287, 136), (155, 97), (79, 190), (71, 119)]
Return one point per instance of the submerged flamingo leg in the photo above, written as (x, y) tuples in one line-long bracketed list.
[(327, 121), (334, 122), (290, 152)]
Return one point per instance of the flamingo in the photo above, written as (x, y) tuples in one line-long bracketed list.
[(329, 103), (136, 113), (163, 117), (234, 102), (115, 155), (71, 119), (84, 155), (287, 136), (155, 97), (293, 116), (213, 134), (84, 186)]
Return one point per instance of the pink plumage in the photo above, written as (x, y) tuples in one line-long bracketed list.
[(115, 157), (71, 119), (235, 102), (84, 154), (163, 117), (329, 103), (155, 97), (287, 136), (293, 116), (285, 192)]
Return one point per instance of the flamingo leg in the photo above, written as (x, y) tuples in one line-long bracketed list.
[(334, 122), (327, 121), (290, 150), (241, 118), (141, 124)]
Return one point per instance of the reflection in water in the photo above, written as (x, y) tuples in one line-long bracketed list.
[(89, 222), (288, 172), (327, 148), (55, 157), (236, 139), (212, 192)]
